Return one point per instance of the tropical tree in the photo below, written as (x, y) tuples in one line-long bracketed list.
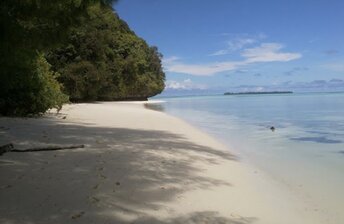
[(105, 60), (28, 29)]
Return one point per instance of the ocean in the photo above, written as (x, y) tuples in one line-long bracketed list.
[(304, 152)]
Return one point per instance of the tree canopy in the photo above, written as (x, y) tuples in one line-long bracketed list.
[(93, 56), (105, 60)]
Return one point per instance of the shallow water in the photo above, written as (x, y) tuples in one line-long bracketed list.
[(305, 152)]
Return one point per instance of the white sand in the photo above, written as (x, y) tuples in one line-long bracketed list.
[(138, 166)]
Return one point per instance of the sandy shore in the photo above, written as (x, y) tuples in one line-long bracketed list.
[(138, 166)]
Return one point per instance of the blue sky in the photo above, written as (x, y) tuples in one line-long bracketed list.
[(243, 45)]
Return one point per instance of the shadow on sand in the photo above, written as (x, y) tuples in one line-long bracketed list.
[(122, 176)]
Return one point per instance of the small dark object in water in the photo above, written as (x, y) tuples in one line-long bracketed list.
[(272, 128), (118, 183)]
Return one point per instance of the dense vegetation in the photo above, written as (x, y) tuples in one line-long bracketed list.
[(105, 60), (92, 55)]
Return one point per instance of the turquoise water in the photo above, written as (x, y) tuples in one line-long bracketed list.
[(306, 150)]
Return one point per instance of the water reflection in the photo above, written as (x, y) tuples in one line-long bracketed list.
[(155, 106)]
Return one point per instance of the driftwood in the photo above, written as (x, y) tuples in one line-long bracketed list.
[(10, 148), (6, 148)]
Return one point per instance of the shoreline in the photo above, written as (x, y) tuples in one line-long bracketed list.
[(138, 166), (309, 171)]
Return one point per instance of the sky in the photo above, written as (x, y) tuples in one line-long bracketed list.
[(243, 45)]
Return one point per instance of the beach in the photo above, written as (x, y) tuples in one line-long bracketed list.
[(137, 166)]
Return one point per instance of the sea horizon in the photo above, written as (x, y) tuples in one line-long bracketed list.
[(162, 95)]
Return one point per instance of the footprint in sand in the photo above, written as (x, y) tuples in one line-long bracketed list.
[(7, 186), (100, 168), (95, 187), (93, 199), (102, 176), (78, 215)]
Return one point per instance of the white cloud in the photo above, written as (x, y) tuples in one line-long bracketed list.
[(259, 88), (202, 70), (238, 43), (170, 59), (266, 52), (186, 84), (234, 45), (220, 52)]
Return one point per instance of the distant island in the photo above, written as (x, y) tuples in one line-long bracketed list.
[(266, 92)]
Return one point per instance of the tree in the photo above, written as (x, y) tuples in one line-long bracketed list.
[(105, 60), (38, 91), (29, 28)]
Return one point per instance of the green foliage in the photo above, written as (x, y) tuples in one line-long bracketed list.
[(48, 93), (26, 28), (39, 25), (81, 80), (105, 60), (97, 55), (32, 93)]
